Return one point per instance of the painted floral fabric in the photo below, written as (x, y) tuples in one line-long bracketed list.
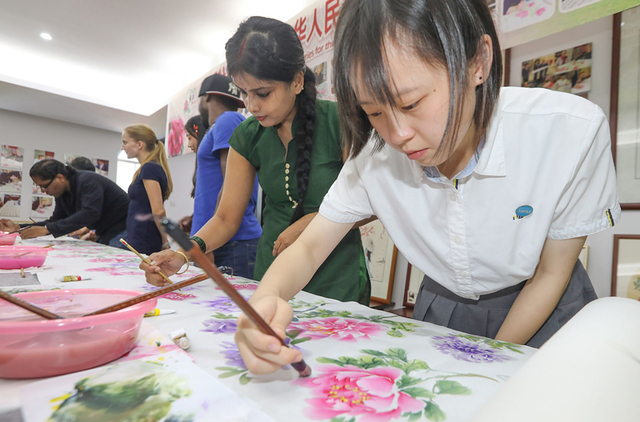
[(367, 365)]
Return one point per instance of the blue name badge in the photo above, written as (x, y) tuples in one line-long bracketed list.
[(524, 211)]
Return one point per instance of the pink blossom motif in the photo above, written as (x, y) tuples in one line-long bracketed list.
[(343, 329), (177, 296), (540, 11), (242, 287), (372, 395), (522, 14), (110, 260)]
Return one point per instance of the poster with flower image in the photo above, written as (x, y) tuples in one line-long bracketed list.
[(39, 155), (42, 206)]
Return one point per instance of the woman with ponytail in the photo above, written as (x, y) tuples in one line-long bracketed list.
[(151, 186), (293, 144)]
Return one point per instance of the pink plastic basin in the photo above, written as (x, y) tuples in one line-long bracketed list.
[(8, 238), (16, 257), (33, 347)]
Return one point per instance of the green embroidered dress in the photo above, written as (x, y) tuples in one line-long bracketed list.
[(343, 275)]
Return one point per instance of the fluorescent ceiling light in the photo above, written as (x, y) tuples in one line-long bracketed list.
[(46, 36)]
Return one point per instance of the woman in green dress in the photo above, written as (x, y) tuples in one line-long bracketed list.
[(293, 144)]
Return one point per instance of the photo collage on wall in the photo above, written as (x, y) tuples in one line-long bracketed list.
[(99, 165), (566, 71), (11, 159)]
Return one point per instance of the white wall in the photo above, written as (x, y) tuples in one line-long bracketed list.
[(180, 203), (31, 133)]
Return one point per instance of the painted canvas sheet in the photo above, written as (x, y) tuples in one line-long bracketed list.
[(169, 387), (42, 206), (39, 155), (10, 181), (10, 205), (11, 156)]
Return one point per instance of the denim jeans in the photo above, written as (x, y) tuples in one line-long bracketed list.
[(239, 255)]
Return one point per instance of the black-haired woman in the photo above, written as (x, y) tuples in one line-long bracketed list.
[(293, 143)]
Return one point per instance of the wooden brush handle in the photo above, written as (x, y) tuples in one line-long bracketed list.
[(151, 295), (28, 306)]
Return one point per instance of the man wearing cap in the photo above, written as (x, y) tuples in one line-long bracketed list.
[(219, 102)]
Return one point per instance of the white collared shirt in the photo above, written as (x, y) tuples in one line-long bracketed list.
[(545, 171)]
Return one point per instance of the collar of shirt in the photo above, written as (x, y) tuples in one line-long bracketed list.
[(433, 174)]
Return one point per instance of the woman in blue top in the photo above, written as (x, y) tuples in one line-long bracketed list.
[(151, 186)]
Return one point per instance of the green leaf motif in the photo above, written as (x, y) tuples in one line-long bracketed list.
[(452, 387), (395, 333), (368, 362), (398, 354), (433, 412), (414, 365), (330, 361), (244, 379), (348, 361), (414, 416), (300, 340), (419, 392), (293, 333), (407, 381)]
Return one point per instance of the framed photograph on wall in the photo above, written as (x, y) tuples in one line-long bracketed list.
[(625, 273), (412, 286), (380, 257), (624, 115)]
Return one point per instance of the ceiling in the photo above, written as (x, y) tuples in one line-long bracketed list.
[(115, 62)]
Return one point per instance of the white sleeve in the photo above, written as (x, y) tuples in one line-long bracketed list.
[(348, 200), (589, 203)]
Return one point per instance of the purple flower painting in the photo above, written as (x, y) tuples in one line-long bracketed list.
[(468, 350)]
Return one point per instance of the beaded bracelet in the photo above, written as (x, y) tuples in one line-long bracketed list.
[(186, 259), (200, 242)]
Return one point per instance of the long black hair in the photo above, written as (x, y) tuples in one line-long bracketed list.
[(446, 34), (270, 50), (195, 128)]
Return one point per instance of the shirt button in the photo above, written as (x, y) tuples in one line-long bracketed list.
[(458, 240), (286, 171), (286, 185), (453, 197), (287, 193), (463, 274), (286, 178), (287, 165)]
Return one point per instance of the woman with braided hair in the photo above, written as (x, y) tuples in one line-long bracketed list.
[(293, 144)]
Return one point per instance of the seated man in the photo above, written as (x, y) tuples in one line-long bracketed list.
[(83, 199)]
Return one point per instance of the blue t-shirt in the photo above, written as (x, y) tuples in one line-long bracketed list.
[(209, 179), (144, 236)]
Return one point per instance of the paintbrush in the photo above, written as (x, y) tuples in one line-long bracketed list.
[(173, 230), (151, 295), (145, 260), (28, 306), (27, 253)]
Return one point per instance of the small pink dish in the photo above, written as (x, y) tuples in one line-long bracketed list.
[(8, 238), (16, 257), (32, 347)]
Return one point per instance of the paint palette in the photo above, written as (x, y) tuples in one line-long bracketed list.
[(31, 347), (16, 257)]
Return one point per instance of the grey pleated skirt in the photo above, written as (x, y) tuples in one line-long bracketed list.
[(484, 316)]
